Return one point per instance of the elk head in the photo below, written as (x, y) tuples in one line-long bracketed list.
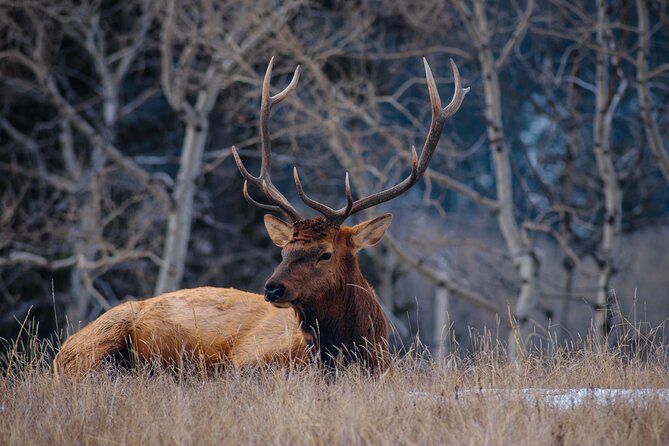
[(319, 259), (319, 275)]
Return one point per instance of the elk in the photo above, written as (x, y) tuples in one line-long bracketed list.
[(316, 305)]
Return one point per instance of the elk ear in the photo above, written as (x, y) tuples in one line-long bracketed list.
[(368, 233), (279, 231)]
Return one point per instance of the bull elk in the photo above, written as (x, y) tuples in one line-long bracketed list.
[(317, 303)]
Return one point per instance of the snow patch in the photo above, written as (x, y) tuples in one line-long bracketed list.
[(559, 398)]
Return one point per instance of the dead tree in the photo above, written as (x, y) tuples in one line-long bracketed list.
[(112, 57), (192, 33), (643, 76), (606, 103), (528, 309)]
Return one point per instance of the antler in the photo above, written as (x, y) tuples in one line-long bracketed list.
[(418, 166), (264, 181), (336, 217)]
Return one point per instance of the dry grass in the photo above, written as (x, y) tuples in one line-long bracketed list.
[(280, 406)]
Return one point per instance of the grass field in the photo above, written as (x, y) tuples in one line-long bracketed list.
[(417, 402)]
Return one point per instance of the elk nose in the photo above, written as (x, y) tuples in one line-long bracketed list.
[(274, 291)]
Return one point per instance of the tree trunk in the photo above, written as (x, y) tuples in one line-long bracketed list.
[(605, 105), (562, 316), (525, 260), (567, 232), (442, 323), (180, 217), (87, 235), (645, 105)]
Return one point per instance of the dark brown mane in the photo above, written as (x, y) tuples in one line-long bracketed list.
[(351, 329), (339, 312)]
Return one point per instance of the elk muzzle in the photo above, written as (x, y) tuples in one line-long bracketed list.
[(274, 292)]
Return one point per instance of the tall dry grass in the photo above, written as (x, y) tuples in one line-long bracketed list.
[(418, 401)]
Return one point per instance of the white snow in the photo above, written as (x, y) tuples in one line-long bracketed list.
[(559, 398)]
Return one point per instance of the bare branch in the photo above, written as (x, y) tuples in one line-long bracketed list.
[(114, 153), (418, 166), (645, 103), (516, 37), (439, 278)]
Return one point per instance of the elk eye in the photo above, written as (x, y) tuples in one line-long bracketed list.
[(325, 256)]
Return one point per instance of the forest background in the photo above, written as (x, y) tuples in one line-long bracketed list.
[(545, 209)]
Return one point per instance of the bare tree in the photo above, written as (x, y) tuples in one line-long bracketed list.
[(526, 261), (111, 66), (606, 103), (192, 89), (643, 76), (111, 55)]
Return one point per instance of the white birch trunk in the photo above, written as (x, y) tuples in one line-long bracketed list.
[(567, 233), (645, 104), (525, 260), (442, 323), (612, 193), (196, 118), (181, 215)]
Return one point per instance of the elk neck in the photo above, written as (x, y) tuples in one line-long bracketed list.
[(350, 321)]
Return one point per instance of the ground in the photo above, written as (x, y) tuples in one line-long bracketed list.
[(419, 401)]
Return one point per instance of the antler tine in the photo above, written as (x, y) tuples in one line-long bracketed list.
[(458, 94), (277, 197), (432, 91), (332, 216), (292, 86), (266, 104), (418, 166), (264, 207), (439, 114), (245, 173), (327, 211), (247, 196), (349, 197), (263, 181)]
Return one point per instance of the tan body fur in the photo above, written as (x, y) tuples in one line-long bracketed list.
[(208, 325)]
